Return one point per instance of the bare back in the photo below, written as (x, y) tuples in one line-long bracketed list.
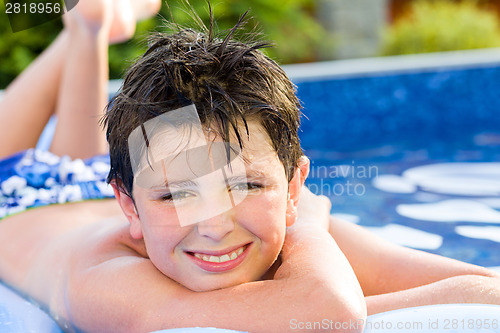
[(60, 236)]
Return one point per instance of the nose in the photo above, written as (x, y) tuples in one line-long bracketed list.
[(217, 227)]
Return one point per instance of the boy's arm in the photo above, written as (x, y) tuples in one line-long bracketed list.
[(313, 284), (394, 277), (456, 289)]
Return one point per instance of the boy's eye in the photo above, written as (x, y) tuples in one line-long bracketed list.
[(245, 187), (176, 196)]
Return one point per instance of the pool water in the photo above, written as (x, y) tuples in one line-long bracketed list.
[(412, 153), (443, 199)]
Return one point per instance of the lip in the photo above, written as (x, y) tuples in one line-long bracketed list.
[(219, 267)]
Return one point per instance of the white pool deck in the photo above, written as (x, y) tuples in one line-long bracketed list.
[(415, 63)]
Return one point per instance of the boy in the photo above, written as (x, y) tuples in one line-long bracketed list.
[(207, 170)]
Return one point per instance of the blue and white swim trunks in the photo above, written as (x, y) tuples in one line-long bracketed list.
[(35, 178)]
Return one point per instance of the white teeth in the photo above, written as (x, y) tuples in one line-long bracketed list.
[(219, 259), (224, 258)]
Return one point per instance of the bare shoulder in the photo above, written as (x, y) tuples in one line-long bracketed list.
[(37, 242), (56, 252), (79, 258)]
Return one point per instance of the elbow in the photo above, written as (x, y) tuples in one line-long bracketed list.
[(358, 315), (349, 317), (352, 315), (341, 311)]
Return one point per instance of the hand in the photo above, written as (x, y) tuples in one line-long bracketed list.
[(313, 209)]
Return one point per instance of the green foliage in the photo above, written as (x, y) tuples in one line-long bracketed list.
[(290, 24), (440, 25), (123, 54), (18, 50)]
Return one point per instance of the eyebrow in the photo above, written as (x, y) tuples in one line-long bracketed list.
[(251, 172), (177, 183), (255, 173), (180, 183), (234, 179)]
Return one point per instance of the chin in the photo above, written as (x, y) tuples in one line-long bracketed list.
[(216, 282)]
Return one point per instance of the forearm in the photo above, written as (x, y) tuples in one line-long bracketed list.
[(296, 296), (312, 260), (456, 289), (314, 284)]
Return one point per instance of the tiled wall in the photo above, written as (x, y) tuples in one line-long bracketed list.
[(417, 108)]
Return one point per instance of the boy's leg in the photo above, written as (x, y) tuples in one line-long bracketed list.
[(83, 87), (30, 99), (69, 78), (83, 93)]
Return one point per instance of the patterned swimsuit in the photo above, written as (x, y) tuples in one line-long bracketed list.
[(34, 177)]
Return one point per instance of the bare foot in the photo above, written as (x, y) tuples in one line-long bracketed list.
[(123, 24), (92, 15), (125, 15), (144, 9), (116, 17)]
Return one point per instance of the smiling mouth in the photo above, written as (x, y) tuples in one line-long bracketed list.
[(222, 258)]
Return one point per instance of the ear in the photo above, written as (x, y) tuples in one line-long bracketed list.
[(294, 189), (128, 207)]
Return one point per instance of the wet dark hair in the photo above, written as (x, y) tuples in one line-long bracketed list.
[(229, 82)]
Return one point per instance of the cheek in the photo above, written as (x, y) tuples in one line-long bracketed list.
[(162, 232), (158, 219), (267, 220)]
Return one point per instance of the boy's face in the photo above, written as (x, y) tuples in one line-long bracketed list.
[(243, 208)]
